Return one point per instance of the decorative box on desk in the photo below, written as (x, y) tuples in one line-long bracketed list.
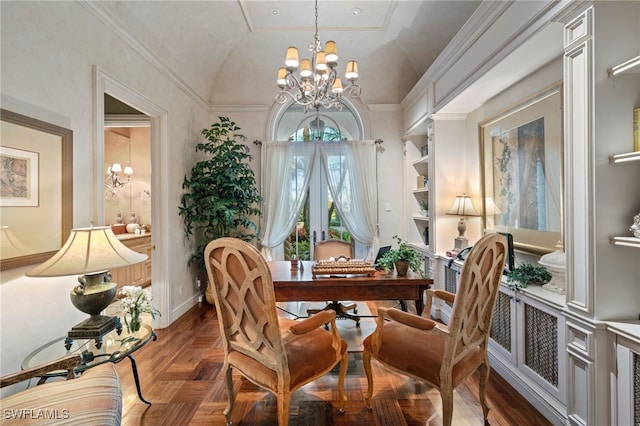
[(336, 267)]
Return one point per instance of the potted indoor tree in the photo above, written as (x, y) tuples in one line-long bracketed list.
[(402, 258), (220, 197), (526, 274)]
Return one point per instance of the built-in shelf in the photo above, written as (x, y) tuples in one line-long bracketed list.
[(625, 241), (423, 160), (422, 218), (421, 190), (632, 66), (624, 158)]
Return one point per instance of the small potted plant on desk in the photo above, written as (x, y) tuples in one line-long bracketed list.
[(402, 258), (525, 274)]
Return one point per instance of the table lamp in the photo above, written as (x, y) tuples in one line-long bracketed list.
[(462, 207), (90, 253)]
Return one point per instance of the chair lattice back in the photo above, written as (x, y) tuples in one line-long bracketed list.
[(332, 248), (476, 295), (245, 301)]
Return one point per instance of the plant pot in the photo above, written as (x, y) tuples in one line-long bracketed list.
[(402, 268)]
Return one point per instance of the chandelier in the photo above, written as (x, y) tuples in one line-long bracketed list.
[(114, 180), (317, 84)]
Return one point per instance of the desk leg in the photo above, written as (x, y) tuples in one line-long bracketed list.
[(420, 300), (134, 368)]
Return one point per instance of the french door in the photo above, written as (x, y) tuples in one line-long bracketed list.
[(319, 219)]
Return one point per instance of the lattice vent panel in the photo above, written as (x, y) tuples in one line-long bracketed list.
[(501, 323), (450, 281), (636, 389), (541, 343)]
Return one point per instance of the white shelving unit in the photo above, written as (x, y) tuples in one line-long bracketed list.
[(623, 160), (419, 168)]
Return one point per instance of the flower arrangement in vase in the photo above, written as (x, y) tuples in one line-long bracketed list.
[(134, 302)]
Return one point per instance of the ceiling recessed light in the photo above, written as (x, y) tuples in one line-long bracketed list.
[(274, 12), (356, 11)]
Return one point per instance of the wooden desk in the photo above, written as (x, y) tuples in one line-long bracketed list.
[(291, 286)]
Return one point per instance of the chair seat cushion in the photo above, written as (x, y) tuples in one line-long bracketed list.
[(420, 353), (308, 356), (94, 398)]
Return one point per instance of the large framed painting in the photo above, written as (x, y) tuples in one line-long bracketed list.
[(36, 199), (522, 156)]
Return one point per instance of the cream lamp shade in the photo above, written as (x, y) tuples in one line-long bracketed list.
[(90, 253), (462, 207), (88, 250)]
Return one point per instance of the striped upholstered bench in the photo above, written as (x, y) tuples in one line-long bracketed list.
[(94, 398)]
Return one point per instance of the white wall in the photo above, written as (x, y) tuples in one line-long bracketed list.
[(49, 50)]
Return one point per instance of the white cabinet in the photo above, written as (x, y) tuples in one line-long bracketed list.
[(140, 273), (602, 270), (527, 341), (527, 347), (627, 387)]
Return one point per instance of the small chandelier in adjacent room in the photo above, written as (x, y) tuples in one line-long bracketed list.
[(113, 179), (317, 84)]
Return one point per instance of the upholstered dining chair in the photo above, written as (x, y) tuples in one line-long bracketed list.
[(333, 248), (277, 355), (444, 356)]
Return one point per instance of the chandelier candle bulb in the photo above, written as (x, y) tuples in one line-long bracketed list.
[(331, 52), (305, 68), (321, 63), (292, 58), (352, 70), (282, 73), (337, 86)]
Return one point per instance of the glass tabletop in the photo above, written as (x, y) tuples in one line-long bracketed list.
[(114, 348)]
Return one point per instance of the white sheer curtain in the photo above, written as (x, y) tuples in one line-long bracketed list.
[(286, 169), (350, 167)]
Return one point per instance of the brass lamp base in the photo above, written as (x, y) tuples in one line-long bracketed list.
[(93, 327)]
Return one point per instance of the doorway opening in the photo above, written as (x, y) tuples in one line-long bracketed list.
[(156, 156)]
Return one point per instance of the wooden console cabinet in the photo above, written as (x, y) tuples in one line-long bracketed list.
[(138, 274)]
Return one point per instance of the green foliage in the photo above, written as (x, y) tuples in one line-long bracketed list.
[(402, 253), (424, 204), (525, 274), (220, 198)]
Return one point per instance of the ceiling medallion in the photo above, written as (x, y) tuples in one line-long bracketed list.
[(317, 84)]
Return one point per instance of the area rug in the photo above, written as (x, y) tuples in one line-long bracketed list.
[(346, 327)]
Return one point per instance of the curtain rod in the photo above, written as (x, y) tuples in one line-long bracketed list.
[(259, 142)]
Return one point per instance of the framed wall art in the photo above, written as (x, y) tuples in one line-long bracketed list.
[(36, 199), (522, 156), (18, 178)]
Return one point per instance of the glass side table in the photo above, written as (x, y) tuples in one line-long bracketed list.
[(114, 349)]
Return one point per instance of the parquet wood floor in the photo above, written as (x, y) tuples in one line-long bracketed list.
[(180, 375)]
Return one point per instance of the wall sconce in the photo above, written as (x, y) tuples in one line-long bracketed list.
[(113, 176), (462, 207)]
